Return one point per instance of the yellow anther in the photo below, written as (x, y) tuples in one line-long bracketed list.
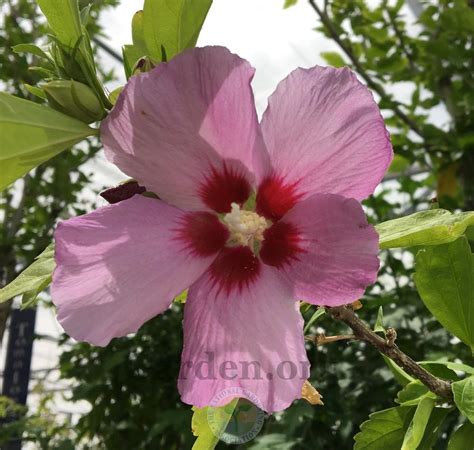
[(246, 227)]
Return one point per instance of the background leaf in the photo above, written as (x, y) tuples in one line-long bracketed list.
[(461, 367), (439, 369), (289, 3), (31, 134), (378, 327), (416, 430), (445, 281), (206, 438), (64, 19), (464, 396), (462, 438), (131, 54), (432, 227), (31, 48), (170, 26), (33, 279), (433, 428), (384, 429), (413, 393), (317, 314), (400, 375), (333, 59), (138, 32)]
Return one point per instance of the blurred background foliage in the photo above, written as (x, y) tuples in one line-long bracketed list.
[(131, 384)]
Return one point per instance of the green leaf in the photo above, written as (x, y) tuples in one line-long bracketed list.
[(470, 233), (433, 428), (289, 3), (30, 298), (30, 134), (35, 91), (433, 227), (138, 32), (399, 164), (114, 95), (384, 429), (274, 441), (445, 281), (378, 327), (464, 396), (131, 54), (461, 367), (400, 375), (33, 279), (413, 393), (44, 73), (417, 427), (64, 19), (31, 48), (462, 438), (207, 438), (170, 26), (333, 59), (182, 297), (439, 369), (317, 314), (85, 14)]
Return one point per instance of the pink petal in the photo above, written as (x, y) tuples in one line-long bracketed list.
[(249, 339), (326, 248), (324, 134), (123, 264), (188, 130)]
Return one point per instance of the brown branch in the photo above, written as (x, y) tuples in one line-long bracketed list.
[(363, 333), (403, 44), (347, 49), (321, 338)]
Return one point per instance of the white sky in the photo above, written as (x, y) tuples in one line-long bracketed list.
[(275, 41)]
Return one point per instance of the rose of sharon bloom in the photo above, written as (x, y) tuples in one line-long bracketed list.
[(251, 217)]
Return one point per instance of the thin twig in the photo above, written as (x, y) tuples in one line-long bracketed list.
[(321, 338), (403, 44), (387, 347)]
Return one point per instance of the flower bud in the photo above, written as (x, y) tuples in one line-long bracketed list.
[(74, 99), (143, 65)]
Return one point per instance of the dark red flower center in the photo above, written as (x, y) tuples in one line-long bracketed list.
[(275, 198), (235, 268), (244, 240), (225, 186), (281, 245), (204, 234)]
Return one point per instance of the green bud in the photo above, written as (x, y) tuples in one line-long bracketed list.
[(67, 62), (74, 99)]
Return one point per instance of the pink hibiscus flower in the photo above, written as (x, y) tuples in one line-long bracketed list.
[(251, 218)]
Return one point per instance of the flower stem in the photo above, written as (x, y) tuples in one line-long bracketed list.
[(363, 333)]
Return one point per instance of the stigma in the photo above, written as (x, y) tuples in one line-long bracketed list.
[(246, 227)]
